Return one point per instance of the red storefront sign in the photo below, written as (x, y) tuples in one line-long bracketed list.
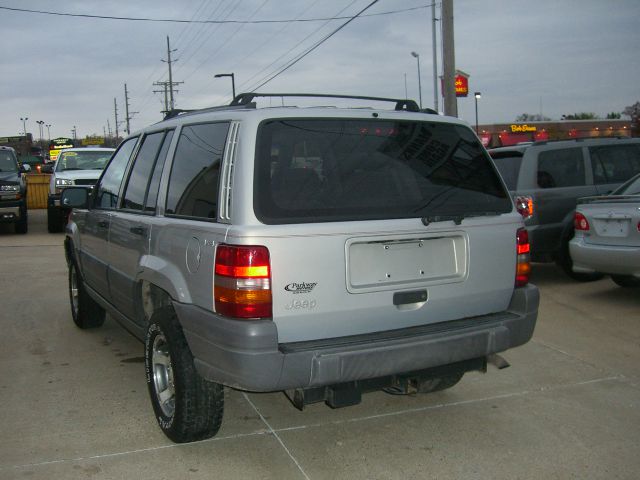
[(462, 85)]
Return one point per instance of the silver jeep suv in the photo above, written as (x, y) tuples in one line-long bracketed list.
[(323, 252)]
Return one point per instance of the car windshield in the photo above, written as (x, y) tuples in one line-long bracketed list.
[(77, 160), (361, 169), (7, 162), (508, 164)]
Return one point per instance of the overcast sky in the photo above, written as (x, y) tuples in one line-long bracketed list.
[(549, 56)]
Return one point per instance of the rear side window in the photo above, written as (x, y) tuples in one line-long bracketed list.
[(193, 184), (561, 168), (508, 164), (614, 164), (338, 170)]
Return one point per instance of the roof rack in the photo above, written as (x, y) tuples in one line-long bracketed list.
[(579, 139), (176, 111), (401, 104)]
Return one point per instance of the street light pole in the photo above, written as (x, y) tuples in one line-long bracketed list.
[(24, 126), (233, 81), (419, 81), (41, 129), (477, 95)]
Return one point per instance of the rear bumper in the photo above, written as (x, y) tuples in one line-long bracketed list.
[(604, 258), (246, 355), (11, 211)]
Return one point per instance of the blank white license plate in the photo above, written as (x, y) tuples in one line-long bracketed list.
[(612, 227)]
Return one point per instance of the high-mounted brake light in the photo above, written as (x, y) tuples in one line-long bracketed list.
[(523, 263), (524, 206), (580, 222), (242, 282)]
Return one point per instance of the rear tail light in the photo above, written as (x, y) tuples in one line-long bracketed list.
[(523, 264), (580, 222), (242, 282), (524, 206)]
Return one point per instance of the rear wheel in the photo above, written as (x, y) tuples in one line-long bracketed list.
[(627, 281), (22, 225), (187, 407), (85, 311)]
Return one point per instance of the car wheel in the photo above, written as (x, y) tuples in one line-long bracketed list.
[(85, 311), (54, 223), (22, 225), (187, 407), (565, 262), (439, 383), (627, 281)]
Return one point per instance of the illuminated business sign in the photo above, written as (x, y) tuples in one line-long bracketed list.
[(462, 85), (58, 144), (523, 128)]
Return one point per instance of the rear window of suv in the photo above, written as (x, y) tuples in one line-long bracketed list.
[(340, 170), (508, 164)]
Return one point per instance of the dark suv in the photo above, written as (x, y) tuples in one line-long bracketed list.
[(13, 190), (546, 179)]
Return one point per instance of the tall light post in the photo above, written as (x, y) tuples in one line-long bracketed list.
[(24, 126), (414, 54), (477, 95), (233, 81), (41, 130), (48, 125), (75, 133)]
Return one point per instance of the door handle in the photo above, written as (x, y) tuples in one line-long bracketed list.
[(103, 224), (138, 231)]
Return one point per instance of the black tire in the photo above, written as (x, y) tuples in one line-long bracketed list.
[(54, 221), (85, 311), (439, 383), (22, 225), (627, 281), (564, 261), (188, 407)]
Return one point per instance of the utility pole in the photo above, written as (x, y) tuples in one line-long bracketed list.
[(115, 107), (448, 60), (171, 83), (129, 115), (435, 55)]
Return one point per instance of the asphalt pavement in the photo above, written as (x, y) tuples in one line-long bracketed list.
[(75, 404)]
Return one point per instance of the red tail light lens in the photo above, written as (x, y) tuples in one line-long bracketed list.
[(523, 265), (242, 282), (580, 222), (524, 206)]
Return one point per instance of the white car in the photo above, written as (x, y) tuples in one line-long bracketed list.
[(74, 166), (607, 235)]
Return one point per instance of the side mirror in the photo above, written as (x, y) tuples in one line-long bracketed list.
[(47, 168), (74, 197), (25, 168)]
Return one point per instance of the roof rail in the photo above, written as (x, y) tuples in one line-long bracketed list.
[(401, 104), (579, 139), (176, 111)]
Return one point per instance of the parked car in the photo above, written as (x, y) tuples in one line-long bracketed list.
[(323, 252), (607, 238), (75, 166), (547, 178), (13, 190)]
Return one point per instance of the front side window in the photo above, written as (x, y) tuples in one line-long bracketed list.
[(614, 164), (193, 183), (310, 170), (107, 191), (136, 189), (561, 168)]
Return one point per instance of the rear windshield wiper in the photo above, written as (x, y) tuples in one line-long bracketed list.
[(457, 219)]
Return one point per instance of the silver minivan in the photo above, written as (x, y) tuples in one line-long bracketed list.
[(323, 252)]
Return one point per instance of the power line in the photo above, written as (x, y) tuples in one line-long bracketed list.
[(317, 44), (173, 20)]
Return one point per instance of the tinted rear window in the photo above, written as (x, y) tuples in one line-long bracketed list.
[(339, 170), (508, 164)]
